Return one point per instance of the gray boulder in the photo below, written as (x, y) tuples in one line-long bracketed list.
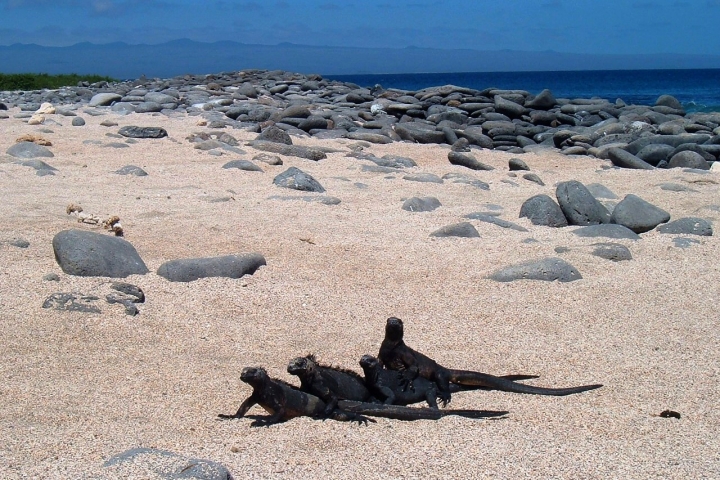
[(517, 164), (161, 464), (547, 269), (275, 134), (28, 150), (579, 206), (688, 225), (467, 160), (607, 230), (131, 131), (542, 210), (421, 204), (289, 150), (638, 215), (688, 159), (612, 251), (246, 165), (624, 159), (90, 254), (463, 229), (103, 99), (296, 179), (230, 266), (132, 170)]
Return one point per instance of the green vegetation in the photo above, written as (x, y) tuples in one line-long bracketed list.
[(37, 81)]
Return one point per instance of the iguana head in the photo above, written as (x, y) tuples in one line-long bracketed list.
[(394, 329), (253, 375), (302, 365), (368, 362)]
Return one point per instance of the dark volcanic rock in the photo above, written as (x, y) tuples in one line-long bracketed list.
[(246, 165), (467, 160), (638, 215), (131, 170), (688, 159), (164, 465), (230, 266), (542, 210), (599, 190), (421, 204), (28, 150), (668, 101), (621, 158), (531, 177), (142, 132), (423, 178), (579, 206), (275, 134), (484, 217), (655, 153), (89, 254), (296, 179), (463, 229), (612, 251), (688, 225), (289, 150), (607, 230), (517, 164), (72, 302), (547, 269), (544, 100)]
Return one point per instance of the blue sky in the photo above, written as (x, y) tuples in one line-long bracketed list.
[(577, 26)]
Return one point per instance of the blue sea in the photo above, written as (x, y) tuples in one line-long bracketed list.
[(697, 90)]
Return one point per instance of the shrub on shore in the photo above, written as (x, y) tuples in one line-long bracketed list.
[(38, 81)]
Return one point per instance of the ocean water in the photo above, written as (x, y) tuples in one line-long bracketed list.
[(697, 90)]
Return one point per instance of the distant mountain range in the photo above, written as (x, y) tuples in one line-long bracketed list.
[(178, 57)]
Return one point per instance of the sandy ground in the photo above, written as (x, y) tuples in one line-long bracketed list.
[(78, 388)]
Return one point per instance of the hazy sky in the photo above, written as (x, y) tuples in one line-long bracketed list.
[(577, 26)]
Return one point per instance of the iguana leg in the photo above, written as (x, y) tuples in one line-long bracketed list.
[(431, 397), (244, 407), (442, 379)]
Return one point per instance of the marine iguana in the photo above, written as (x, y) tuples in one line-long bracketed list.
[(329, 383), (395, 355), (389, 387), (284, 402)]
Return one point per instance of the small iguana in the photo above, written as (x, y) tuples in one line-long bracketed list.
[(395, 355), (329, 383), (284, 402), (391, 389)]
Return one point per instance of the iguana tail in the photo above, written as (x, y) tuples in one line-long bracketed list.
[(465, 377), (399, 412)]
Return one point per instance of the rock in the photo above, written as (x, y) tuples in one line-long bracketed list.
[(544, 100), (243, 165), (369, 137), (509, 108), (484, 217), (28, 150), (103, 99), (687, 159), (78, 122), (638, 215), (39, 165), (579, 206), (421, 204), (275, 134), (655, 153), (460, 178), (51, 277), (547, 269), (467, 160), (599, 190), (296, 179), (621, 158), (131, 170), (542, 210), (463, 229), (19, 243), (269, 159), (148, 107), (142, 132), (688, 226), (289, 150), (531, 177), (89, 254), (423, 178), (517, 164), (608, 230), (682, 242), (230, 266), (162, 464), (127, 295), (72, 302), (612, 251), (669, 101)]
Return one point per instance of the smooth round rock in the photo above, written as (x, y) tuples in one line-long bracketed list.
[(462, 229), (607, 230), (90, 254), (28, 150), (638, 215), (467, 160), (612, 251), (547, 269), (132, 170), (688, 225), (421, 204), (78, 122), (688, 159), (230, 266), (142, 132), (246, 165), (103, 99), (624, 159), (543, 210), (296, 179), (579, 206)]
